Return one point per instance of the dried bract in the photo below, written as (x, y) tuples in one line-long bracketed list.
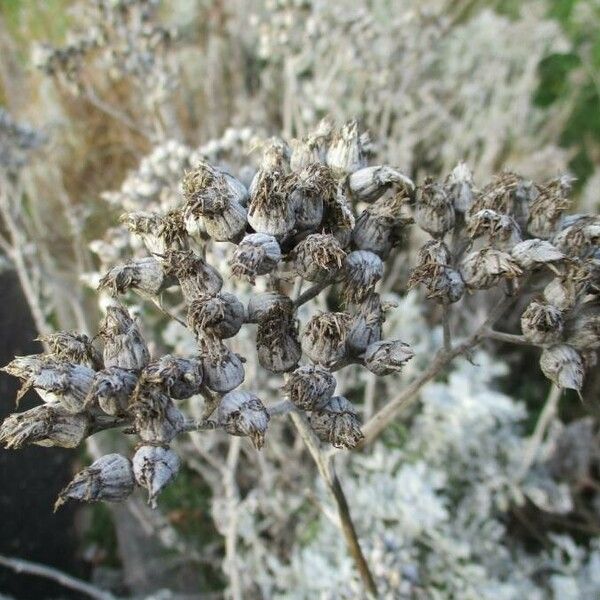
[(242, 413)]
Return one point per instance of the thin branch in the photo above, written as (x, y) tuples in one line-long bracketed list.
[(446, 327), (310, 293), (30, 568), (509, 338)]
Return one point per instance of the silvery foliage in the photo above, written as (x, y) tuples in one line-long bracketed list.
[(16, 141)]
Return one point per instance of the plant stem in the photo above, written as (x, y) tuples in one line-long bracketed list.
[(310, 293)]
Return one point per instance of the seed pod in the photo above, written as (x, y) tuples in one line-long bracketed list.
[(110, 478), (65, 383), (154, 467), (157, 420), (336, 422), (345, 154), (257, 254), (124, 345), (536, 253), (500, 231), (434, 211), (159, 233), (111, 390), (309, 385), (542, 323), (563, 365), (313, 187), (484, 268), (459, 187), (548, 206), (180, 378), (44, 425), (579, 238), (338, 218), (384, 358), (195, 276), (242, 413), (270, 210), (259, 304), (220, 316), (73, 347), (277, 345), (318, 258), (362, 270), (370, 183), (223, 370), (324, 339), (583, 331), (365, 326), (144, 275)]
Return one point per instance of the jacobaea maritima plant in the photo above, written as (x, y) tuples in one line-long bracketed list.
[(314, 213)]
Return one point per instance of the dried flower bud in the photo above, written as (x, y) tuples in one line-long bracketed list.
[(144, 275), (345, 154), (73, 347), (563, 365), (180, 378), (565, 290), (484, 268), (111, 390), (305, 152), (370, 183), (45, 425), (583, 331), (548, 206), (318, 258), (365, 327), (65, 383), (157, 420), (220, 316), (324, 338), (256, 254), (242, 413), (542, 323), (362, 270), (384, 358), (124, 345), (338, 218), (276, 156), (308, 385), (277, 345), (154, 467), (580, 237), (110, 478), (535, 253), (223, 370), (270, 210), (501, 231), (259, 304), (434, 211), (158, 232), (313, 187), (459, 187), (336, 422), (196, 277)]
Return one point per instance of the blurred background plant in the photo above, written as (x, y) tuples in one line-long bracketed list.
[(107, 103)]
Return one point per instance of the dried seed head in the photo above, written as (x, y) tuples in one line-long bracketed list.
[(276, 156), (73, 347), (64, 383), (308, 385), (484, 268), (434, 211), (112, 390), (313, 187), (318, 258), (259, 304), (242, 413), (365, 327), (158, 232), (563, 365), (144, 275), (580, 236), (338, 218), (324, 338), (565, 290), (227, 225), (220, 316), (277, 345), (370, 183), (531, 254), (384, 358), (305, 152), (154, 467), (336, 422), (542, 323), (345, 154), (362, 270), (257, 254), (548, 206), (459, 187), (124, 345), (500, 231), (180, 378), (195, 276), (270, 210), (45, 425), (157, 420), (110, 478), (223, 370), (583, 331)]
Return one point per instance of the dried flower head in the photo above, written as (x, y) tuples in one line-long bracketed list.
[(145, 276), (257, 254), (542, 323), (346, 154), (434, 212), (583, 330), (459, 188), (111, 390), (318, 258), (387, 357), (580, 236), (242, 413), (180, 378), (156, 419), (370, 183), (277, 346), (259, 304), (366, 325), (500, 231), (324, 338), (336, 422), (309, 385), (563, 365), (270, 210), (548, 206), (362, 270), (313, 187), (482, 269), (220, 316), (73, 347), (154, 467), (223, 370), (535, 253)]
